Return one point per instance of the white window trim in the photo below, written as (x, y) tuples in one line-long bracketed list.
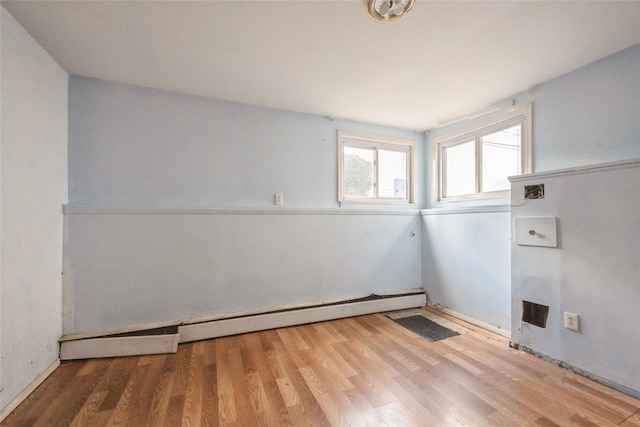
[(365, 140), (513, 116)]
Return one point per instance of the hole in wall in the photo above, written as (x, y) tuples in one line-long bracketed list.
[(535, 314), (534, 191)]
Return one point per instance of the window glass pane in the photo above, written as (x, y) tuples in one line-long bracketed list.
[(392, 174), (500, 158), (375, 169), (358, 172), (460, 169)]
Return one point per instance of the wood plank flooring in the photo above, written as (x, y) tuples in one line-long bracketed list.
[(362, 371)]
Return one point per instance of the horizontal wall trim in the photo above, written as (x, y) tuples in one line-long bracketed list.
[(466, 210), (122, 210), (578, 170)]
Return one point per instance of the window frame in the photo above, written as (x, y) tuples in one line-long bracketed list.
[(377, 142), (517, 115)]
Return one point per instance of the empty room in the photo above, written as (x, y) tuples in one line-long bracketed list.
[(319, 213)]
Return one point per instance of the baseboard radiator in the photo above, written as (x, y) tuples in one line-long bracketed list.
[(158, 339)]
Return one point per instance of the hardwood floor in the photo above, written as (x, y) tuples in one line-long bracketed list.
[(362, 371)]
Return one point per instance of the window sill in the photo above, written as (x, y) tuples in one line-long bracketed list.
[(466, 210), (478, 197), (380, 202)]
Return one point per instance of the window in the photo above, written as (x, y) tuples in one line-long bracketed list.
[(375, 169), (474, 163)]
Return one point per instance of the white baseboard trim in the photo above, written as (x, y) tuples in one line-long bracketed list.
[(4, 412), (261, 322), (119, 346), (481, 324)]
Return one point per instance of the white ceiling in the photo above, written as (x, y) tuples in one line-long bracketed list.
[(442, 60)]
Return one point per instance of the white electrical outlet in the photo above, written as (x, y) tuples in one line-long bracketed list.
[(279, 199), (571, 321)]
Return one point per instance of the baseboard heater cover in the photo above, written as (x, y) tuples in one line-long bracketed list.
[(281, 319), (165, 340), (119, 346)]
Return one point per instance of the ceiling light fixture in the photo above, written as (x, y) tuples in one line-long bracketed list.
[(389, 10)]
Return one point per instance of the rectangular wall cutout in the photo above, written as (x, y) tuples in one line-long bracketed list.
[(535, 314), (534, 191)]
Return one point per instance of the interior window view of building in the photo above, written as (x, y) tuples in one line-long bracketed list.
[(384, 213)]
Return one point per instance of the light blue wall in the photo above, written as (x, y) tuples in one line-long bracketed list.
[(33, 154), (125, 269), (588, 116), (466, 264), (132, 147)]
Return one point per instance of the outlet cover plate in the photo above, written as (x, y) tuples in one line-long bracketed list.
[(571, 321)]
